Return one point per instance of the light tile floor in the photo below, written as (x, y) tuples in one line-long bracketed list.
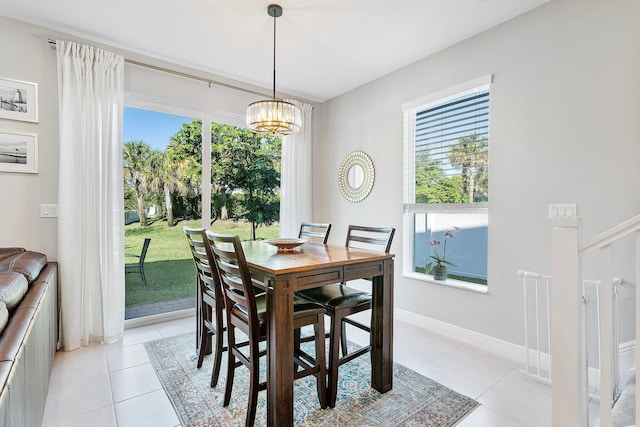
[(115, 385)]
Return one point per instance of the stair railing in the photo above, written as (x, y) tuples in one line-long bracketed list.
[(609, 391), (568, 391)]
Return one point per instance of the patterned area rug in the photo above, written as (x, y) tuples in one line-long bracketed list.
[(414, 400)]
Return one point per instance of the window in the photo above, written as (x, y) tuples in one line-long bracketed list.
[(446, 184)]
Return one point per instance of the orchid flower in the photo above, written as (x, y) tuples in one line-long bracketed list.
[(439, 261)]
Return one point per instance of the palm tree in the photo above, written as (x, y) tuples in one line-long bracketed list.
[(167, 176), (472, 156), (185, 147), (135, 163)]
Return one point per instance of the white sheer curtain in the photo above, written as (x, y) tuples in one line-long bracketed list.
[(295, 176), (90, 201)]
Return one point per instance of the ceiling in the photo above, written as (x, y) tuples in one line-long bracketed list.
[(324, 47)]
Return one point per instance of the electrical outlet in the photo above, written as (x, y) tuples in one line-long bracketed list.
[(48, 211)]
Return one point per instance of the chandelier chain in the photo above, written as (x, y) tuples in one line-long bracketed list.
[(275, 17)]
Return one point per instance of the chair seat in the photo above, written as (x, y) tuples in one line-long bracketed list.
[(301, 308), (336, 296), (261, 307)]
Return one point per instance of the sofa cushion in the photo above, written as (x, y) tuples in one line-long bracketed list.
[(4, 316), (28, 263), (9, 252), (13, 286)]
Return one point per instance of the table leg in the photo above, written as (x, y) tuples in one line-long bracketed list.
[(280, 355), (382, 330)]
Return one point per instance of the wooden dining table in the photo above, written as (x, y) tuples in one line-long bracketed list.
[(312, 265)]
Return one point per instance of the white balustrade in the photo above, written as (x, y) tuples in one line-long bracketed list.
[(569, 379)]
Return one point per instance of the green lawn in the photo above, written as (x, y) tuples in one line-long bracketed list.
[(169, 265)]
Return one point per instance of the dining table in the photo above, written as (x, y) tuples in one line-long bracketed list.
[(311, 265)]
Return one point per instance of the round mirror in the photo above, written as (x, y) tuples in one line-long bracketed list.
[(356, 176)]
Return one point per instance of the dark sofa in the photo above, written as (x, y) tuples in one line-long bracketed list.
[(28, 334)]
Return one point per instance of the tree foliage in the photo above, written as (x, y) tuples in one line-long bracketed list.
[(471, 156), (245, 174), (167, 177), (432, 186), (246, 164), (135, 162)]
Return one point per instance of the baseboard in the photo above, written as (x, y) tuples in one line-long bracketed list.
[(507, 349), (627, 360), (157, 318), (495, 345)]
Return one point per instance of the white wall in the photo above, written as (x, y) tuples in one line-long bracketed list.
[(564, 108), (27, 56)]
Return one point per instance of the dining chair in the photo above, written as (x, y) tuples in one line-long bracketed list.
[(341, 300), (315, 231), (138, 266), (248, 313), (211, 299)]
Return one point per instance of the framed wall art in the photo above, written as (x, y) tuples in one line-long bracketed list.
[(18, 152), (18, 100)]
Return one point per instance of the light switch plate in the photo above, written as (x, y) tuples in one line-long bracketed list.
[(566, 210), (48, 211)]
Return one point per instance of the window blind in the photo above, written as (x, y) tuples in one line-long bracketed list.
[(440, 129)]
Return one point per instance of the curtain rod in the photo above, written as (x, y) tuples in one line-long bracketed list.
[(189, 76)]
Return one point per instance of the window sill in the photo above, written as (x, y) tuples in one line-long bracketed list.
[(459, 284)]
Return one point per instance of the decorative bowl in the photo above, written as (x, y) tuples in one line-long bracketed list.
[(286, 243)]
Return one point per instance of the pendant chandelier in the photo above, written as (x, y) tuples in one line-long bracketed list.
[(274, 116)]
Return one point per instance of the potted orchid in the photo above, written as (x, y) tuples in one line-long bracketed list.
[(438, 264)]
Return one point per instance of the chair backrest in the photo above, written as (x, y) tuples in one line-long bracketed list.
[(373, 238), (203, 259), (145, 246), (315, 231), (235, 279)]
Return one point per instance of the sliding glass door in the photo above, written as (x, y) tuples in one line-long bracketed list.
[(176, 175), (163, 192)]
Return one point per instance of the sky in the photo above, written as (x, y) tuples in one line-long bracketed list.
[(151, 127)]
